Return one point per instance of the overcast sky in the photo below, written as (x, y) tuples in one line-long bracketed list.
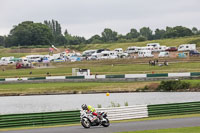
[(90, 17)]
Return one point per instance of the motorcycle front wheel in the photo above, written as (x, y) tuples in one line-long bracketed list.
[(85, 123), (106, 123)]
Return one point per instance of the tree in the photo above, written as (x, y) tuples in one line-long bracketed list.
[(141, 38), (178, 31), (159, 34), (58, 38), (74, 40), (95, 39), (146, 32), (194, 30), (2, 41), (29, 33), (132, 34), (109, 36)]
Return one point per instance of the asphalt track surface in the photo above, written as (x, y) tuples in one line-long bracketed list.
[(119, 127)]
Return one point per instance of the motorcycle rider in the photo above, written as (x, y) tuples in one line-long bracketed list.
[(92, 110)]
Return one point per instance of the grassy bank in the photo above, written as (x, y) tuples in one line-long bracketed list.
[(167, 42), (85, 87), (127, 66), (171, 130), (53, 88)]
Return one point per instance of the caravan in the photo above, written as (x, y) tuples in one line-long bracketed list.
[(145, 53), (187, 47), (109, 55), (155, 47)]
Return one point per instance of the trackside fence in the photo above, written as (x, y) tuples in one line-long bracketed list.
[(33, 119), (127, 112), (125, 76), (173, 109)]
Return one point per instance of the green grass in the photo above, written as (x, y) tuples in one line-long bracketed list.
[(42, 88), (100, 67), (83, 87), (167, 42), (171, 130)]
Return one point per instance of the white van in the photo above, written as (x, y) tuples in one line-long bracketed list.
[(145, 53), (163, 54), (109, 55), (187, 47)]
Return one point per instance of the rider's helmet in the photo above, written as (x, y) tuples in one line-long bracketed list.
[(84, 107)]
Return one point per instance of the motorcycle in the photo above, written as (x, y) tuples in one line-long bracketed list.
[(87, 119)]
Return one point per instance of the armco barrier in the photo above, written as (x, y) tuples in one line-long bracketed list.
[(115, 76), (124, 77), (195, 74), (157, 75), (32, 119), (37, 78), (173, 109), (74, 77)]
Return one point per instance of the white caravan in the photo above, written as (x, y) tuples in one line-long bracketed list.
[(119, 50), (145, 53), (132, 49), (155, 47), (109, 55), (187, 47)]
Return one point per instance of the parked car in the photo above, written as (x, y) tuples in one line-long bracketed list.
[(171, 49), (194, 53)]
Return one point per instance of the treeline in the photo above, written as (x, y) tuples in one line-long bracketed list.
[(29, 33)]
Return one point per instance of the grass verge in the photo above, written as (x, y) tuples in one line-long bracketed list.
[(170, 130)]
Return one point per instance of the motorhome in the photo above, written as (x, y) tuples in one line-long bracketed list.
[(145, 53), (34, 58), (187, 47), (7, 60), (109, 55)]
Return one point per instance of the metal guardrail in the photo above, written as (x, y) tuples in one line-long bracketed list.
[(173, 109), (32, 119), (108, 77)]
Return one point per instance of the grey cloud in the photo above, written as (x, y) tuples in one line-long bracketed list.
[(89, 17)]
